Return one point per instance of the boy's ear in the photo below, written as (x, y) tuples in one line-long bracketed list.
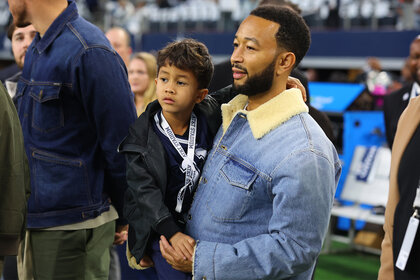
[(201, 94)]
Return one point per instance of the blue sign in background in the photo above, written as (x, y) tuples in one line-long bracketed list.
[(333, 97)]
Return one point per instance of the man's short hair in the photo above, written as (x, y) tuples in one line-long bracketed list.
[(10, 30), (286, 3), (293, 33), (190, 55)]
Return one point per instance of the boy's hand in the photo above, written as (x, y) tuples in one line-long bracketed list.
[(121, 235), (146, 261), (183, 245), (295, 83)]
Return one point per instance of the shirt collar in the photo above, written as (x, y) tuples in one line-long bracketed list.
[(267, 116), (41, 44), (415, 90)]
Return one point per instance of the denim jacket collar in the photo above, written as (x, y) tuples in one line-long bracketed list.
[(269, 115), (56, 27)]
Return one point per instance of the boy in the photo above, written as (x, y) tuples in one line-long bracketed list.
[(165, 151)]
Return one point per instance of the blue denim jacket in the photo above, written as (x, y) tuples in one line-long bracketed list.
[(262, 206), (75, 107)]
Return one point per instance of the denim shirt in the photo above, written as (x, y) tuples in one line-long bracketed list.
[(262, 206), (75, 107)]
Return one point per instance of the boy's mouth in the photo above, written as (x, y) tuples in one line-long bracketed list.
[(168, 100)]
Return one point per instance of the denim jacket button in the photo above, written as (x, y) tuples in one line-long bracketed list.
[(189, 217)]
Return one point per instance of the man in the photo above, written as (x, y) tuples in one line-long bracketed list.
[(74, 107), (396, 102), (262, 207), (14, 178), (121, 42), (222, 77), (21, 38)]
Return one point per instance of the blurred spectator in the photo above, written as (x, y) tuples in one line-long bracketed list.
[(406, 76), (21, 38), (141, 76), (120, 40), (118, 13), (406, 12), (378, 81), (396, 102)]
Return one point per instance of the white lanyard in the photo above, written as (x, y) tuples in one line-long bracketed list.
[(410, 233), (192, 172)]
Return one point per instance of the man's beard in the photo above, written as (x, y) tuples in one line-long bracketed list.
[(258, 83)]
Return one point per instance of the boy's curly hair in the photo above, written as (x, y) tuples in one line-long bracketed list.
[(191, 55)]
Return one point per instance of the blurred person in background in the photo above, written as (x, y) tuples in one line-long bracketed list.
[(142, 75), (396, 102), (403, 185), (21, 38), (14, 184), (121, 42)]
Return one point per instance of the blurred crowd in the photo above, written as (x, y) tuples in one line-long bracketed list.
[(140, 16)]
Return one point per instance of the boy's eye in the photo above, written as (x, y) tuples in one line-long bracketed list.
[(181, 83), (164, 80)]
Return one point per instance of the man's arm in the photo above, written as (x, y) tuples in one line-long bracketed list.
[(101, 81), (303, 192)]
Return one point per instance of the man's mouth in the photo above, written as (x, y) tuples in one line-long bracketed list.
[(238, 73)]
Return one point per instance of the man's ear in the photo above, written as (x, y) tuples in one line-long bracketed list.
[(285, 62), (201, 94)]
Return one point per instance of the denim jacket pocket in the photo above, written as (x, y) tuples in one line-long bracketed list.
[(47, 111), (233, 191), (58, 182)]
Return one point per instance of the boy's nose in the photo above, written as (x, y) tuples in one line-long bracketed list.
[(169, 90)]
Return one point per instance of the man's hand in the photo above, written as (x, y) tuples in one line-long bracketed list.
[(121, 235), (183, 245), (295, 83), (173, 258)]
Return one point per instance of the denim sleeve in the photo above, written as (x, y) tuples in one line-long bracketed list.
[(101, 81), (302, 195)]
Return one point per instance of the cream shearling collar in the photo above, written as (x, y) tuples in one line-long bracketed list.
[(267, 116)]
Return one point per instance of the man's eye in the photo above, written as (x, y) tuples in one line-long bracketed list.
[(250, 48)]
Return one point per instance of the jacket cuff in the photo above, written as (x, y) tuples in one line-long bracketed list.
[(167, 227), (203, 261)]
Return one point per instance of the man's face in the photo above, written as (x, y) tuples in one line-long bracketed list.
[(19, 11), (254, 56), (118, 41), (21, 39), (414, 58)]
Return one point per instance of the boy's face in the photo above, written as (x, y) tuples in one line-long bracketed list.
[(177, 91)]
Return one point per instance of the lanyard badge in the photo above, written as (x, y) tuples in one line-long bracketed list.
[(410, 233), (192, 172)]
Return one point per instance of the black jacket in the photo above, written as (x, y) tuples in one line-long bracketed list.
[(394, 104), (144, 205)]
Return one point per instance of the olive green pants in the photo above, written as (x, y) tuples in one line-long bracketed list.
[(76, 254)]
